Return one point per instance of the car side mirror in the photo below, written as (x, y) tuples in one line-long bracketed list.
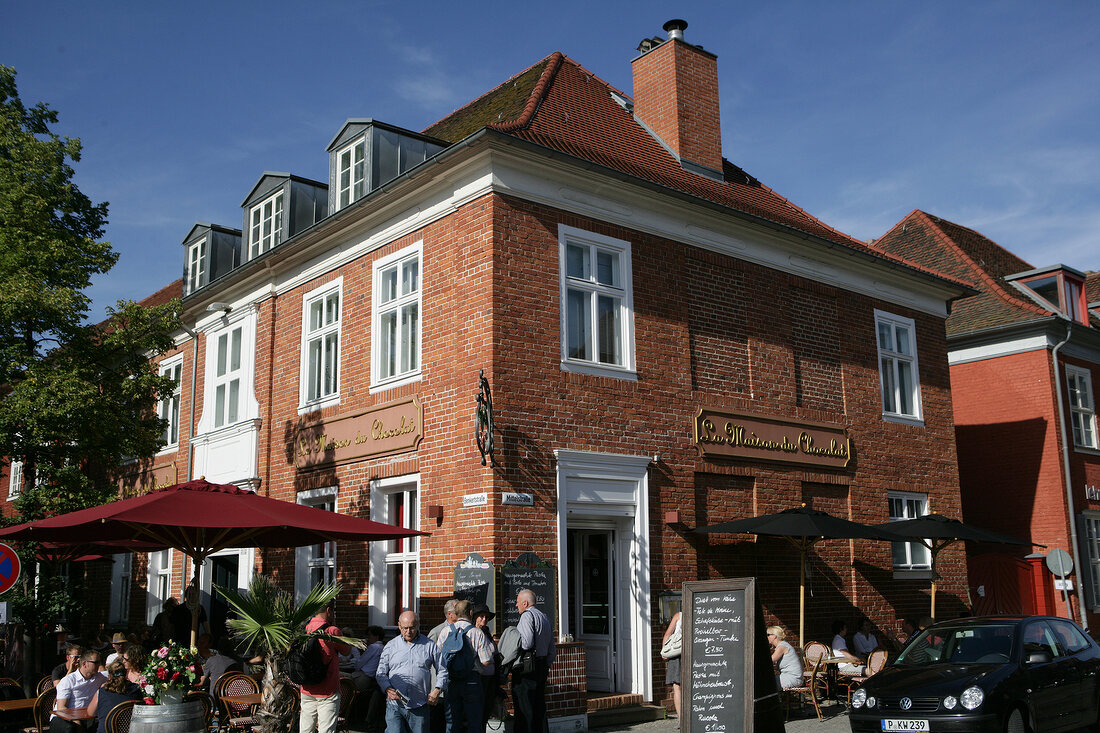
[(1041, 656)]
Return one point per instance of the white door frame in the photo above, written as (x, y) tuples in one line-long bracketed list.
[(612, 489)]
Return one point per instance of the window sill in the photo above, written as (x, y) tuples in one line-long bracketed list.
[(406, 379), (1086, 450), (599, 370), (319, 404), (174, 448), (903, 419), (912, 574)]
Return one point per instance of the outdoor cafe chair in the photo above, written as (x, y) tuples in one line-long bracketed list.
[(118, 720), (809, 692), (43, 684), (43, 706), (235, 716), (9, 681), (207, 704), (812, 653), (876, 660), (348, 693)]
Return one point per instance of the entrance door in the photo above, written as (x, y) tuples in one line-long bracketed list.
[(592, 602), (223, 573)]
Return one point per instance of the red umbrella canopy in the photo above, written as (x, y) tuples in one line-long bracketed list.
[(199, 517)]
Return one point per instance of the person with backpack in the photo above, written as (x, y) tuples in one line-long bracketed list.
[(531, 669), (464, 655), (405, 674), (321, 699)]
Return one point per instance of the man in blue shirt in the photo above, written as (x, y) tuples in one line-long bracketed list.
[(536, 640), (404, 674)]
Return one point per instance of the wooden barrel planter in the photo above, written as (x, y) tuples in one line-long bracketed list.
[(184, 717)]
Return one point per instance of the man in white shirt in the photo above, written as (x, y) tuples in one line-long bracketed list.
[(865, 640), (76, 690), (852, 667)]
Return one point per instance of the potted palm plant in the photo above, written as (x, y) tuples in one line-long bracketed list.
[(269, 623)]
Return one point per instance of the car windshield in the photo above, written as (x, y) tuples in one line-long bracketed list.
[(960, 644)]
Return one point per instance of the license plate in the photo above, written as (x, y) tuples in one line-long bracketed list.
[(890, 724)]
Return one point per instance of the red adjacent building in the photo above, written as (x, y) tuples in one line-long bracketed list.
[(1025, 365)]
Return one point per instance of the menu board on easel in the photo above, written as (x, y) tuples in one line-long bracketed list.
[(716, 671)]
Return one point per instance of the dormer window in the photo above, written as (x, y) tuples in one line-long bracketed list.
[(352, 173), (196, 266), (1057, 288), (266, 229)]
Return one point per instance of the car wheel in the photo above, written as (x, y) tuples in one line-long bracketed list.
[(1015, 723)]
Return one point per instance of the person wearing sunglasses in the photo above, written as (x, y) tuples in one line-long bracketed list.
[(69, 665)]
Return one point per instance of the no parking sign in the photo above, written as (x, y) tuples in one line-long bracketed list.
[(9, 567)]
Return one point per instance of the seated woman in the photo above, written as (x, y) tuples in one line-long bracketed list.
[(118, 688), (786, 659)]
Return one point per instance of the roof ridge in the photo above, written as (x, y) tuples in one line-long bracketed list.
[(972, 230), (536, 97), (980, 271)]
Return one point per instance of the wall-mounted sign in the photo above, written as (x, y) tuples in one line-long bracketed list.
[(395, 427), (475, 580), (720, 434), (1092, 493), (528, 572), (157, 477), (481, 499), (514, 499)]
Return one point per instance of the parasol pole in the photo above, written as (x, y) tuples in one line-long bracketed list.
[(802, 597), (197, 560)]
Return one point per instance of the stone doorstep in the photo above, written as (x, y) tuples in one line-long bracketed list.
[(605, 702), (625, 715)]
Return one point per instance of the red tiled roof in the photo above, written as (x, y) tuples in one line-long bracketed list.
[(165, 294), (967, 255), (569, 109)]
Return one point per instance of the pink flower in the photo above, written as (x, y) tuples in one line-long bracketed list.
[(150, 701), (162, 652)]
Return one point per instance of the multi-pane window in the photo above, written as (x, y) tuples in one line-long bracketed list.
[(351, 173), (265, 226), (1082, 411), (397, 315), (228, 375), (15, 480), (159, 582), (321, 558), (170, 404), (395, 563), (1092, 528), (120, 589), (897, 359), (597, 325), (196, 266), (913, 555), (321, 345)]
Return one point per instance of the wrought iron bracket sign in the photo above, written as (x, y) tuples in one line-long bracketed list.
[(483, 420), (767, 438)]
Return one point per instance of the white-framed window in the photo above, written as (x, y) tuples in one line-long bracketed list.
[(265, 225), (597, 306), (1092, 529), (321, 344), (170, 405), (196, 265), (913, 555), (315, 564), (158, 583), (15, 480), (897, 363), (396, 317), (1082, 408), (121, 572), (351, 173), (394, 564), (228, 373)]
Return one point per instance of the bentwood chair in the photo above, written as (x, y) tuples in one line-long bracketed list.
[(207, 703), (876, 660), (43, 706), (348, 692), (235, 716), (118, 720), (809, 692), (43, 684)]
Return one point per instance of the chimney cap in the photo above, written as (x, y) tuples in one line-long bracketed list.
[(675, 28)]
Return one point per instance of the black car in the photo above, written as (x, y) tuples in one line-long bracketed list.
[(997, 673)]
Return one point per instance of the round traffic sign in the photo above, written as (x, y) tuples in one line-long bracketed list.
[(1059, 562), (9, 567)]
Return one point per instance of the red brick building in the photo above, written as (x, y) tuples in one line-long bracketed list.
[(1025, 364), (631, 297)]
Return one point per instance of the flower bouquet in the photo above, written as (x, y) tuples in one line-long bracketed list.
[(171, 670)]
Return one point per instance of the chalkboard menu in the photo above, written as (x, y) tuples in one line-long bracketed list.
[(538, 576), (717, 671), (474, 581)]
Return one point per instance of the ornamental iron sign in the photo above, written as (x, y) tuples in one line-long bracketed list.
[(720, 434), (483, 420)]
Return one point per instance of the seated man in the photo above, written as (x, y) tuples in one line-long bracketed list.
[(854, 666), (72, 661), (76, 690), (865, 640), (218, 663), (118, 641)]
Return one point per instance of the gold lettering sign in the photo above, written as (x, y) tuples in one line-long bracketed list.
[(395, 427), (145, 481), (767, 438)]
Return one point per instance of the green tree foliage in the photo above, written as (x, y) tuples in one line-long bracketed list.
[(76, 400)]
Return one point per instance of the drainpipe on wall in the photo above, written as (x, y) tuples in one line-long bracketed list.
[(191, 425), (1069, 483)]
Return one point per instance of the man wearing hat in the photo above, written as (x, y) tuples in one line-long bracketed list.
[(490, 677), (118, 641)]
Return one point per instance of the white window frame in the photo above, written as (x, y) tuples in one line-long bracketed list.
[(894, 358), (121, 574), (169, 407), (306, 560), (158, 580), (225, 416), (910, 565), (398, 304), (258, 216), (1082, 410), (392, 553), (243, 317), (623, 292), (197, 260), (1092, 544), (356, 187), (15, 479), (306, 401)]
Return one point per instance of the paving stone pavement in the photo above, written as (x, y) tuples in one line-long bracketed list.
[(835, 721)]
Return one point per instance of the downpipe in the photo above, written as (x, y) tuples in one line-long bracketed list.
[(1067, 436)]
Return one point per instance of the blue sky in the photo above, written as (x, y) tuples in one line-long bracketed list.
[(985, 113)]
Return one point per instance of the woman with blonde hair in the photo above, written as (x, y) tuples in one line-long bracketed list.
[(786, 659)]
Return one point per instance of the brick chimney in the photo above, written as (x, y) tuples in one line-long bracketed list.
[(676, 95)]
